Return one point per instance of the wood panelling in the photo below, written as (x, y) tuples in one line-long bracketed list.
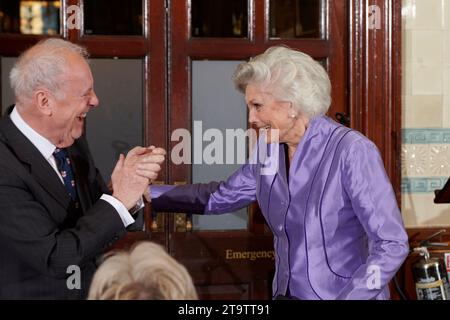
[(202, 251), (375, 81), (223, 258)]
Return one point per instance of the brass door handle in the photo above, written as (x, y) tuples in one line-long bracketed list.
[(182, 222), (157, 219)]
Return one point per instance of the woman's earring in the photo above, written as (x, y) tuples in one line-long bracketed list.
[(293, 116)]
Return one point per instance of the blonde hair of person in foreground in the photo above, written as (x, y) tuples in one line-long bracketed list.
[(146, 272)]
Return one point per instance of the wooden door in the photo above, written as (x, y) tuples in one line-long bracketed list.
[(239, 264)]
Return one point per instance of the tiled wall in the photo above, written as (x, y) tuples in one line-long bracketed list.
[(426, 110)]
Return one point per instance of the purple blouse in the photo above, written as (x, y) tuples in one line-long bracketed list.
[(338, 232)]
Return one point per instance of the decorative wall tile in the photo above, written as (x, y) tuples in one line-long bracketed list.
[(446, 75), (427, 47), (446, 15), (422, 185), (407, 78), (425, 160), (426, 79), (414, 159), (407, 14), (446, 110), (439, 163), (426, 14), (419, 210), (407, 46), (423, 111), (425, 153), (426, 135)]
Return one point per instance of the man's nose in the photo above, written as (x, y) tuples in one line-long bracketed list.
[(93, 101)]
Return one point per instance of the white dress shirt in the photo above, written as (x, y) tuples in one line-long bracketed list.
[(46, 148)]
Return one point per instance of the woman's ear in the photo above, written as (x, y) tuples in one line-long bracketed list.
[(42, 100), (290, 107), (293, 113)]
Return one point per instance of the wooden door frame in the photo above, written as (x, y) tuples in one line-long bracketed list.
[(373, 75), (375, 81)]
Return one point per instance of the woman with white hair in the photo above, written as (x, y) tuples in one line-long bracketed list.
[(338, 232), (147, 272)]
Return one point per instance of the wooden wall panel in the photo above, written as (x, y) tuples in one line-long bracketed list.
[(375, 80)]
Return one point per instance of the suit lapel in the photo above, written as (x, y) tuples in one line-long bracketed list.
[(40, 169)]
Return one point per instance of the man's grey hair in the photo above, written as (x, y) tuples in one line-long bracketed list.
[(43, 66), (289, 75)]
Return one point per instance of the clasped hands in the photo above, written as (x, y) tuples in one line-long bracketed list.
[(133, 173)]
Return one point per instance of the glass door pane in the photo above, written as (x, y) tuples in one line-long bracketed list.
[(113, 17), (116, 125), (7, 64), (216, 108), (295, 18), (30, 17), (219, 18)]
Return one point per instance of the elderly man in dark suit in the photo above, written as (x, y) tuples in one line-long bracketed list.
[(56, 213)]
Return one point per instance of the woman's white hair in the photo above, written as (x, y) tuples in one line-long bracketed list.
[(42, 66), (147, 272), (289, 75)]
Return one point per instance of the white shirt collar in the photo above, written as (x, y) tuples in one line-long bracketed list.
[(45, 147)]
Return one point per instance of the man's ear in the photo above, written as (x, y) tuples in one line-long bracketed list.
[(42, 99)]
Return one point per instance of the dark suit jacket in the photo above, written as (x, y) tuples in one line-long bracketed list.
[(41, 233)]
